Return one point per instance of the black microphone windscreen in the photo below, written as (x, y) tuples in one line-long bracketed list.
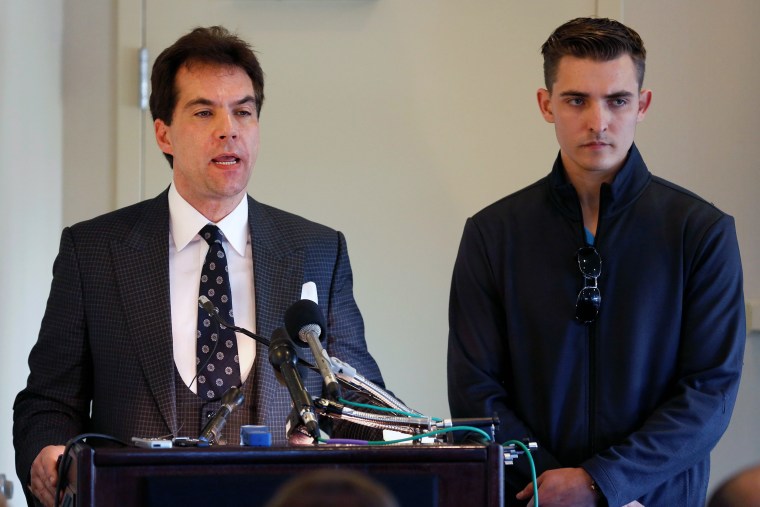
[(303, 313)]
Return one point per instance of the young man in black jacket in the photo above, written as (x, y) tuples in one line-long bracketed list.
[(599, 311)]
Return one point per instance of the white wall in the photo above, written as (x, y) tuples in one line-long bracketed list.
[(30, 189)]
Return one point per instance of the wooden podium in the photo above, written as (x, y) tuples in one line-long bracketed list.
[(418, 475)]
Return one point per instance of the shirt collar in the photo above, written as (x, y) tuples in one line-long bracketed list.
[(185, 222)]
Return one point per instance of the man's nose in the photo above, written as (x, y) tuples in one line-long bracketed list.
[(598, 118), (226, 127)]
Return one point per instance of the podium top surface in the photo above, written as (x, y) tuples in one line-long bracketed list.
[(232, 454)]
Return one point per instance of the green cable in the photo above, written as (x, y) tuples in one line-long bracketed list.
[(532, 466)]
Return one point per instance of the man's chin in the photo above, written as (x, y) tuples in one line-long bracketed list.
[(603, 162)]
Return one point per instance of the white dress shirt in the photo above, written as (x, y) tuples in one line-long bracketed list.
[(187, 253)]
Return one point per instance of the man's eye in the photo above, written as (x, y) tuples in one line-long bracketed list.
[(244, 113), (203, 114)]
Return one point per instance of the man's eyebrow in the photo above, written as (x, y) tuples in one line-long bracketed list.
[(245, 100), (620, 95), (201, 101), (616, 95), (573, 93)]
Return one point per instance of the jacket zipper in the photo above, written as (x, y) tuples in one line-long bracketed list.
[(592, 335)]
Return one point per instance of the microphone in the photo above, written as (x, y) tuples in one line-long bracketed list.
[(282, 356), (212, 431), (304, 321), (207, 305)]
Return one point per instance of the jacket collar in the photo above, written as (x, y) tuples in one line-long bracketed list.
[(628, 184)]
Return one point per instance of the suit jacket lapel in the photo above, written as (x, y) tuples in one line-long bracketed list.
[(278, 277), (141, 263)]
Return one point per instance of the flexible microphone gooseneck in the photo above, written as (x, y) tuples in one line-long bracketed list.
[(207, 305)]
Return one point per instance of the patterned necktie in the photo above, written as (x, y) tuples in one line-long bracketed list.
[(217, 356)]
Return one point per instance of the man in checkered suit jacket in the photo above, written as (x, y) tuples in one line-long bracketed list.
[(108, 357)]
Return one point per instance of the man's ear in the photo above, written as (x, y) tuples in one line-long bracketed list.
[(544, 97), (163, 137), (645, 98)]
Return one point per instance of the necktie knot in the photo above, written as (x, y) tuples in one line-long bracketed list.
[(211, 234)]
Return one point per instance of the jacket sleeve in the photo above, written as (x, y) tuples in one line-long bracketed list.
[(691, 419), (478, 355), (54, 406)]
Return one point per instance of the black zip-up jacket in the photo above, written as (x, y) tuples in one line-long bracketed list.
[(639, 397)]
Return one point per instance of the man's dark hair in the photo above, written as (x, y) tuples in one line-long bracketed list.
[(212, 45), (600, 39)]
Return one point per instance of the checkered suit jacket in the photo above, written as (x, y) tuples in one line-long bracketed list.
[(106, 338)]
